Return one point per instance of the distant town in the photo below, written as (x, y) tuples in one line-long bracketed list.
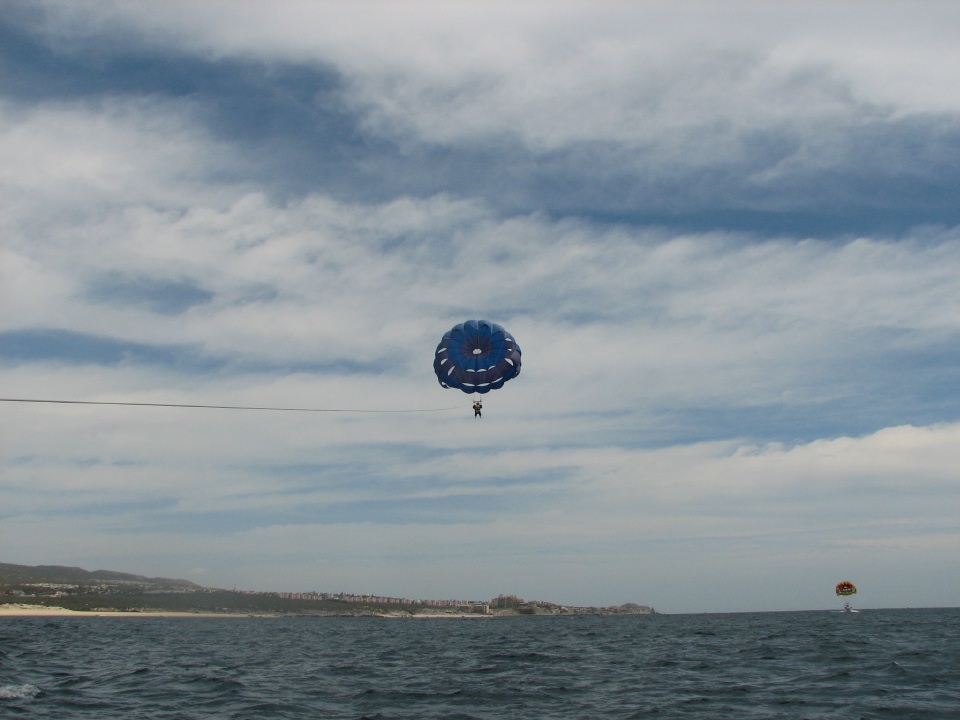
[(105, 591)]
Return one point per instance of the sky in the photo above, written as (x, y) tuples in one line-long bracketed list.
[(725, 236)]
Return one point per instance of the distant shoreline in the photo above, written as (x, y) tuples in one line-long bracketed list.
[(54, 590), (434, 616), (27, 610)]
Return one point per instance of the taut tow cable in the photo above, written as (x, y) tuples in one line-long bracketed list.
[(223, 407)]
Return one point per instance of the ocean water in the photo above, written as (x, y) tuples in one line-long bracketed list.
[(873, 664)]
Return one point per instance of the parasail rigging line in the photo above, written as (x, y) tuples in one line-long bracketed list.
[(223, 407)]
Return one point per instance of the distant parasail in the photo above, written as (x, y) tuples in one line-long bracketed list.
[(846, 588)]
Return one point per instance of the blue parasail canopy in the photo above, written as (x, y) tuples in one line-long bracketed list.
[(476, 356)]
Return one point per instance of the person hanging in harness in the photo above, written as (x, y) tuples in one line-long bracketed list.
[(477, 407)]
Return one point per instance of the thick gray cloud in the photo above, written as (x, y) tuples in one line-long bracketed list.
[(765, 135)]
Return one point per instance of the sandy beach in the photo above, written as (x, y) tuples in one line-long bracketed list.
[(27, 610)]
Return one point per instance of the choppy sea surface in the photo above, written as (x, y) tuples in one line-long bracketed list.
[(872, 664)]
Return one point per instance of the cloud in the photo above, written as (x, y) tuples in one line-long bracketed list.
[(167, 297), (726, 242), (895, 57), (736, 503), (688, 323), (613, 113), (76, 348)]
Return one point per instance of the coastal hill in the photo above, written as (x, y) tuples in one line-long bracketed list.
[(74, 588), (59, 574)]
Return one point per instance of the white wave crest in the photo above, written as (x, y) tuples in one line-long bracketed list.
[(18, 692)]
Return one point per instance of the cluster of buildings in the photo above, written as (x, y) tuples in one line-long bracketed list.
[(502, 604), (458, 605)]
